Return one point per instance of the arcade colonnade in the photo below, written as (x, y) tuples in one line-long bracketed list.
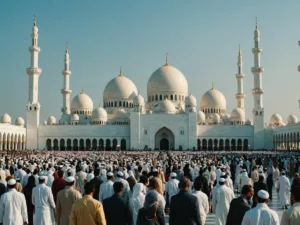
[(87, 144), (286, 141), (228, 144), (12, 141)]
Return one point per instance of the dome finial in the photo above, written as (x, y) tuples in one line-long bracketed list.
[(121, 71), (167, 60), (34, 20), (212, 85), (82, 91)]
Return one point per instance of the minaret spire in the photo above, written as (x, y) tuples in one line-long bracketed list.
[(240, 96), (257, 91), (33, 105), (66, 91)]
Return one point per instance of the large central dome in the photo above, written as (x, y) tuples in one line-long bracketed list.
[(119, 88), (167, 80)]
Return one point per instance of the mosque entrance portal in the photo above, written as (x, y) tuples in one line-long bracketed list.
[(164, 144), (164, 139)]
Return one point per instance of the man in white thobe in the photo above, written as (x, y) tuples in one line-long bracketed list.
[(244, 179), (221, 202), (261, 214), (202, 200), (80, 180), (172, 187), (43, 201), (106, 188), (13, 209), (284, 190)]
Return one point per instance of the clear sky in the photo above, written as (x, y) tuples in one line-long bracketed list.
[(201, 38)]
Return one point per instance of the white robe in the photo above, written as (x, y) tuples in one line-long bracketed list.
[(203, 204), (106, 190), (261, 215), (284, 190), (221, 203), (43, 201), (172, 188), (13, 209), (137, 201)]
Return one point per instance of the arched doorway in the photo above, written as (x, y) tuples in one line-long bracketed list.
[(204, 144), (164, 139), (123, 144), (164, 144), (48, 144), (246, 144)]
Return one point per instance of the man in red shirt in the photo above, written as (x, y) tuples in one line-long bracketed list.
[(58, 184)]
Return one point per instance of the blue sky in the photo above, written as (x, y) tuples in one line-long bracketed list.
[(201, 38)]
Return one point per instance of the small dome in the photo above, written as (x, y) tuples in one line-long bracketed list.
[(19, 121), (226, 117), (167, 80), (276, 120), (238, 114), (248, 121), (51, 120), (215, 117), (119, 88), (120, 113), (191, 101), (213, 99), (6, 118), (99, 114), (292, 119), (82, 102), (75, 117), (165, 106), (138, 100), (200, 117)]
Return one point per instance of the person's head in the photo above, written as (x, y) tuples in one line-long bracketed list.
[(70, 181), (118, 188), (31, 181), (97, 172), (42, 180), (262, 196), (184, 184), (297, 177), (295, 194), (60, 173), (247, 191), (222, 181), (120, 174), (198, 185), (109, 176), (153, 184), (151, 199), (89, 188), (261, 178), (173, 175), (19, 166), (144, 180), (11, 183), (155, 172), (35, 171)]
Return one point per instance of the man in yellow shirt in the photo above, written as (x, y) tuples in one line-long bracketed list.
[(87, 210)]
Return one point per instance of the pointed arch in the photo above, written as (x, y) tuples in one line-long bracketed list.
[(88, 144), (69, 144), (114, 144), (62, 144), (233, 145), (107, 144), (210, 144), (239, 144), (101, 144), (221, 144), (204, 144), (75, 144), (123, 144), (94, 144), (48, 144)]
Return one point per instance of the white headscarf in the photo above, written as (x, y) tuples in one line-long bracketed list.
[(137, 200)]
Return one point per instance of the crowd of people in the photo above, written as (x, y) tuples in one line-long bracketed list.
[(141, 188)]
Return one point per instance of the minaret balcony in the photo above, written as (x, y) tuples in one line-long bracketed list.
[(33, 71), (66, 91), (256, 50), (240, 95), (66, 72), (257, 69), (240, 75), (257, 91), (34, 49)]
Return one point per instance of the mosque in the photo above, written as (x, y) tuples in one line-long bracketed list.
[(169, 118)]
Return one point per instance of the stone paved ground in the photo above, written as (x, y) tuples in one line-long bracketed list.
[(274, 204)]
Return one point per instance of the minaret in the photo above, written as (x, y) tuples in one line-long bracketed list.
[(33, 106), (257, 91), (66, 91), (240, 96)]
